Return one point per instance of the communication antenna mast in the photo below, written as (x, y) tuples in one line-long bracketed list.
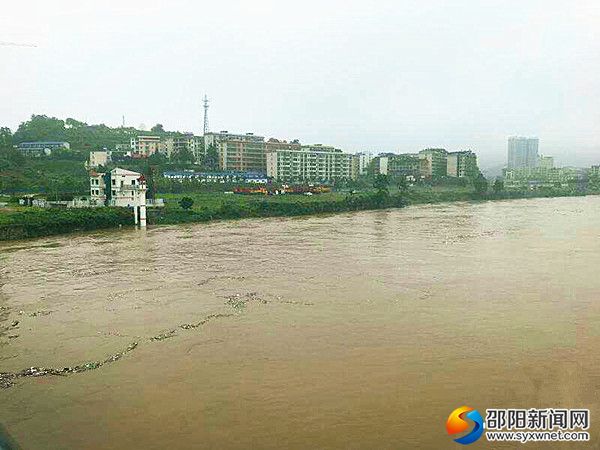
[(205, 114)]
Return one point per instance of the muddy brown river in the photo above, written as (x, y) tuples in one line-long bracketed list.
[(357, 330)]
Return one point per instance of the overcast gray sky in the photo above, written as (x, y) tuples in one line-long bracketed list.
[(378, 76)]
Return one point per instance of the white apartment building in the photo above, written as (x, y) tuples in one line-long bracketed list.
[(310, 163), (364, 159), (119, 187)]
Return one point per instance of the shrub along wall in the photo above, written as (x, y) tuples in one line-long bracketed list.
[(266, 208), (35, 222)]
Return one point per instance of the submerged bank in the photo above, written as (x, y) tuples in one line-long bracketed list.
[(37, 222)]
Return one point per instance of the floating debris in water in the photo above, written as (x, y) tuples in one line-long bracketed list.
[(239, 301), (188, 326), (163, 336), (7, 379), (40, 313), (209, 279), (294, 302)]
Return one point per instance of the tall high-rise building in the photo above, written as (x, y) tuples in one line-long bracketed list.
[(522, 152)]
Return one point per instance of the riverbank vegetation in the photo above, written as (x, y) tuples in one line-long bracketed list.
[(221, 206), (23, 223)]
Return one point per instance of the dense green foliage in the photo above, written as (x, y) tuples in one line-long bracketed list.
[(57, 174), (186, 202), (480, 184), (381, 183), (35, 222), (237, 207), (437, 196), (79, 135)]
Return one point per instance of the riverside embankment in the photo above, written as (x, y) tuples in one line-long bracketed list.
[(36, 222)]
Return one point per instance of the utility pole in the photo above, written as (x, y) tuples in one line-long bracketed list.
[(205, 114)]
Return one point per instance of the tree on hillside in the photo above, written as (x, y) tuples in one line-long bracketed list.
[(480, 184), (211, 159), (498, 185), (6, 137), (158, 128), (79, 134), (183, 156), (40, 128), (10, 158), (149, 173), (72, 123), (402, 184), (381, 183), (157, 159)]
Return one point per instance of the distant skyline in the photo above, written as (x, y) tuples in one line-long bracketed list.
[(390, 76)]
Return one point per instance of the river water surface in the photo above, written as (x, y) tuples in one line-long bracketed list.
[(357, 330)]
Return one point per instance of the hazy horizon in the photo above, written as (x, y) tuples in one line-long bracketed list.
[(396, 76)]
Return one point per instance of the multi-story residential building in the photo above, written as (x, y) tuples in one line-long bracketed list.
[(536, 177), (546, 162), (363, 161), (187, 142), (275, 144), (434, 162), (120, 187), (380, 165), (238, 152), (145, 146), (395, 165), (309, 163), (99, 158), (462, 164), (522, 152), (41, 148)]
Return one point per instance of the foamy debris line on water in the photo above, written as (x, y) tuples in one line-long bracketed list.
[(215, 278), (188, 326), (237, 301), (7, 379)]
